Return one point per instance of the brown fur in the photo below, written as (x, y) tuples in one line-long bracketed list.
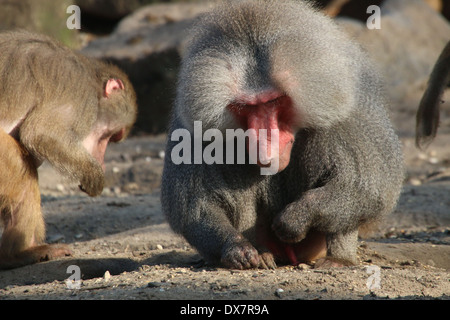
[(52, 100), (24, 229)]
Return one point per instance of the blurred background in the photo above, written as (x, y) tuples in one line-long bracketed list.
[(146, 39)]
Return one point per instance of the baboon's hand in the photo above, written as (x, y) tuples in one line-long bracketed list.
[(240, 255)]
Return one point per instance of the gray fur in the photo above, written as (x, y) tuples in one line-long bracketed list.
[(346, 167)]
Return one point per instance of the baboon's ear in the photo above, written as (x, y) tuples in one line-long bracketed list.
[(113, 85)]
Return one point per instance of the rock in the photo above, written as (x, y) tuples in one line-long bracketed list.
[(114, 9), (162, 14), (356, 9), (107, 276), (147, 45), (411, 37), (279, 292), (55, 238), (155, 284), (109, 9)]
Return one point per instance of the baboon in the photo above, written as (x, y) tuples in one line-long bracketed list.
[(283, 67), (55, 105)]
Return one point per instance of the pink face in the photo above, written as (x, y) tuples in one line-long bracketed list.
[(97, 141), (268, 110)]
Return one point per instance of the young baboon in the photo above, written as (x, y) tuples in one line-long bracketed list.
[(55, 105), (284, 67), (427, 118)]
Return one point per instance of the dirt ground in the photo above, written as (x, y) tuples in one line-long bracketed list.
[(125, 250)]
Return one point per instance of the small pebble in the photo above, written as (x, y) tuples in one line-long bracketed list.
[(154, 284), (55, 238), (303, 266), (278, 292)]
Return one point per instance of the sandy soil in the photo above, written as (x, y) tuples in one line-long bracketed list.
[(125, 250)]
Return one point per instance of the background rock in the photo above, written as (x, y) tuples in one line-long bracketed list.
[(116, 9), (411, 37), (147, 45), (110, 9), (356, 9), (123, 232), (147, 42)]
